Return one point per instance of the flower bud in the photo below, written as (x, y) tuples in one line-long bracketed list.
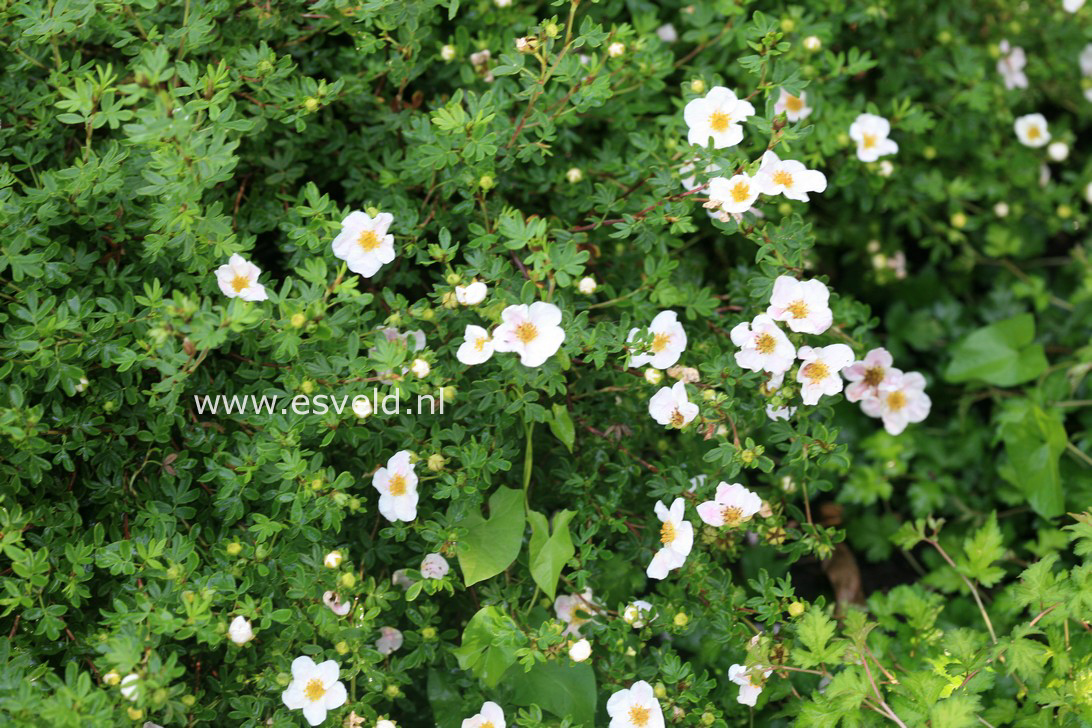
[(420, 368), (580, 651), (240, 631), (587, 285), (574, 175), (333, 559), (1058, 151), (616, 49), (697, 86), (234, 548), (447, 52), (653, 376), (796, 609), (436, 462), (812, 43)]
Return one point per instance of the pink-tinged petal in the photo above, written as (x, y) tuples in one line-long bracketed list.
[(871, 406), (711, 513)]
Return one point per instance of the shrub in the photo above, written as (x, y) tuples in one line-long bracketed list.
[(571, 312)]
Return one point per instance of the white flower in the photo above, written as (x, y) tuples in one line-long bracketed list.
[(362, 406), (635, 707), (575, 610), (580, 651), (447, 52), (333, 559), (239, 631), (1085, 60), (574, 175), (1001, 209), (364, 243), (239, 279), (803, 305), (668, 342), (788, 177), (763, 346), (533, 332), (717, 116), (795, 108), (779, 413), (587, 285), (314, 688), (867, 375), (130, 686), (899, 401), (390, 641), (397, 486), (676, 537), (434, 566), (667, 33), (384, 723), (1072, 6), (1058, 151), (81, 386), (870, 132), (735, 195), (420, 368), (670, 407), (477, 346), (731, 506), (1011, 66), (472, 293), (819, 372), (689, 177), (750, 683), (637, 613), (812, 43), (333, 601), (1032, 131), (490, 716)]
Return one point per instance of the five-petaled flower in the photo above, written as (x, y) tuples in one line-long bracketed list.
[(635, 707), (671, 407), (870, 132), (900, 400), (750, 682), (668, 342), (788, 177), (314, 688), (239, 279), (867, 375), (819, 371), (1031, 130), (763, 346), (477, 346), (803, 305), (795, 108), (434, 566), (575, 610), (735, 195), (717, 116), (732, 506), (1011, 66), (490, 716), (364, 243), (397, 486), (534, 332), (390, 640), (676, 539)]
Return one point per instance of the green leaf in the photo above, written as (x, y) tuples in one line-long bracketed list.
[(491, 545), (1001, 354), (567, 690), (550, 552), (1034, 442), (489, 645), (982, 550), (561, 424), (814, 635)]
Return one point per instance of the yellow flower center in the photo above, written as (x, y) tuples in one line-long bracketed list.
[(526, 332), (798, 309), (486, 724), (639, 716), (868, 140), (793, 103), (314, 690), (479, 344), (397, 485), (741, 191), (733, 515), (660, 342), (239, 283), (896, 401), (782, 178), (719, 121), (816, 371), (368, 241), (873, 376), (677, 418), (1033, 132), (765, 344), (667, 533)]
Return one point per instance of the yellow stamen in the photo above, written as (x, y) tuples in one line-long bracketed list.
[(868, 140), (667, 533), (314, 690), (816, 371), (239, 283), (793, 103), (677, 418), (397, 485), (765, 344), (1034, 133), (368, 241), (479, 344), (733, 515), (741, 191), (660, 342), (873, 376), (639, 716), (798, 309), (526, 332), (783, 178), (719, 121), (896, 401)]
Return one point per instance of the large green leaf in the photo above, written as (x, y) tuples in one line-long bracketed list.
[(1001, 354), (561, 424), (1034, 442), (489, 645), (567, 690), (550, 551), (491, 545)]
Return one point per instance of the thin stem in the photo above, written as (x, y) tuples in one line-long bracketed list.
[(970, 585)]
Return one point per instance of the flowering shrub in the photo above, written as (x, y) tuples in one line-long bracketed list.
[(503, 363)]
